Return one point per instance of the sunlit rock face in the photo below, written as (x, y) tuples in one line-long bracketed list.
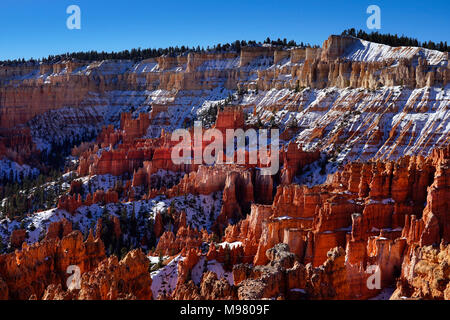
[(362, 185)]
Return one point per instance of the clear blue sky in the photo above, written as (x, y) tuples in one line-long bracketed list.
[(32, 28)]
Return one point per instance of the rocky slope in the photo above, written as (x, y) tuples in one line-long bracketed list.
[(362, 186)]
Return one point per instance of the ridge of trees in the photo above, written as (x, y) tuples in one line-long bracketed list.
[(395, 40), (141, 54)]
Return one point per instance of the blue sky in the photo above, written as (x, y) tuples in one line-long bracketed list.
[(31, 28)]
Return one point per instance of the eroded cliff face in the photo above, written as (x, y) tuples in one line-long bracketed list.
[(93, 94), (362, 187), (41, 271), (378, 214), (29, 271), (425, 274), (368, 215), (127, 279)]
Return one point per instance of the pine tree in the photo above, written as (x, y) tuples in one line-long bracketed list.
[(123, 252), (160, 260)]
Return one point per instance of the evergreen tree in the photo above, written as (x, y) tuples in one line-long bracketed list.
[(395, 40)]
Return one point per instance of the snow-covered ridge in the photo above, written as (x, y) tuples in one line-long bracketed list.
[(358, 50), (68, 123), (231, 63), (14, 171), (359, 124), (368, 51), (106, 67), (164, 280), (201, 212)]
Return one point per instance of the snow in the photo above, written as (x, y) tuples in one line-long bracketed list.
[(145, 66), (385, 294), (165, 178), (388, 201), (367, 51), (12, 169), (217, 268), (316, 173), (97, 110), (223, 64), (68, 123), (104, 182), (201, 212), (106, 67), (155, 260), (203, 266), (284, 218), (352, 115), (198, 270), (384, 201), (259, 63), (165, 279), (183, 105), (230, 245), (69, 175), (421, 114), (298, 290), (312, 108), (40, 222)]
